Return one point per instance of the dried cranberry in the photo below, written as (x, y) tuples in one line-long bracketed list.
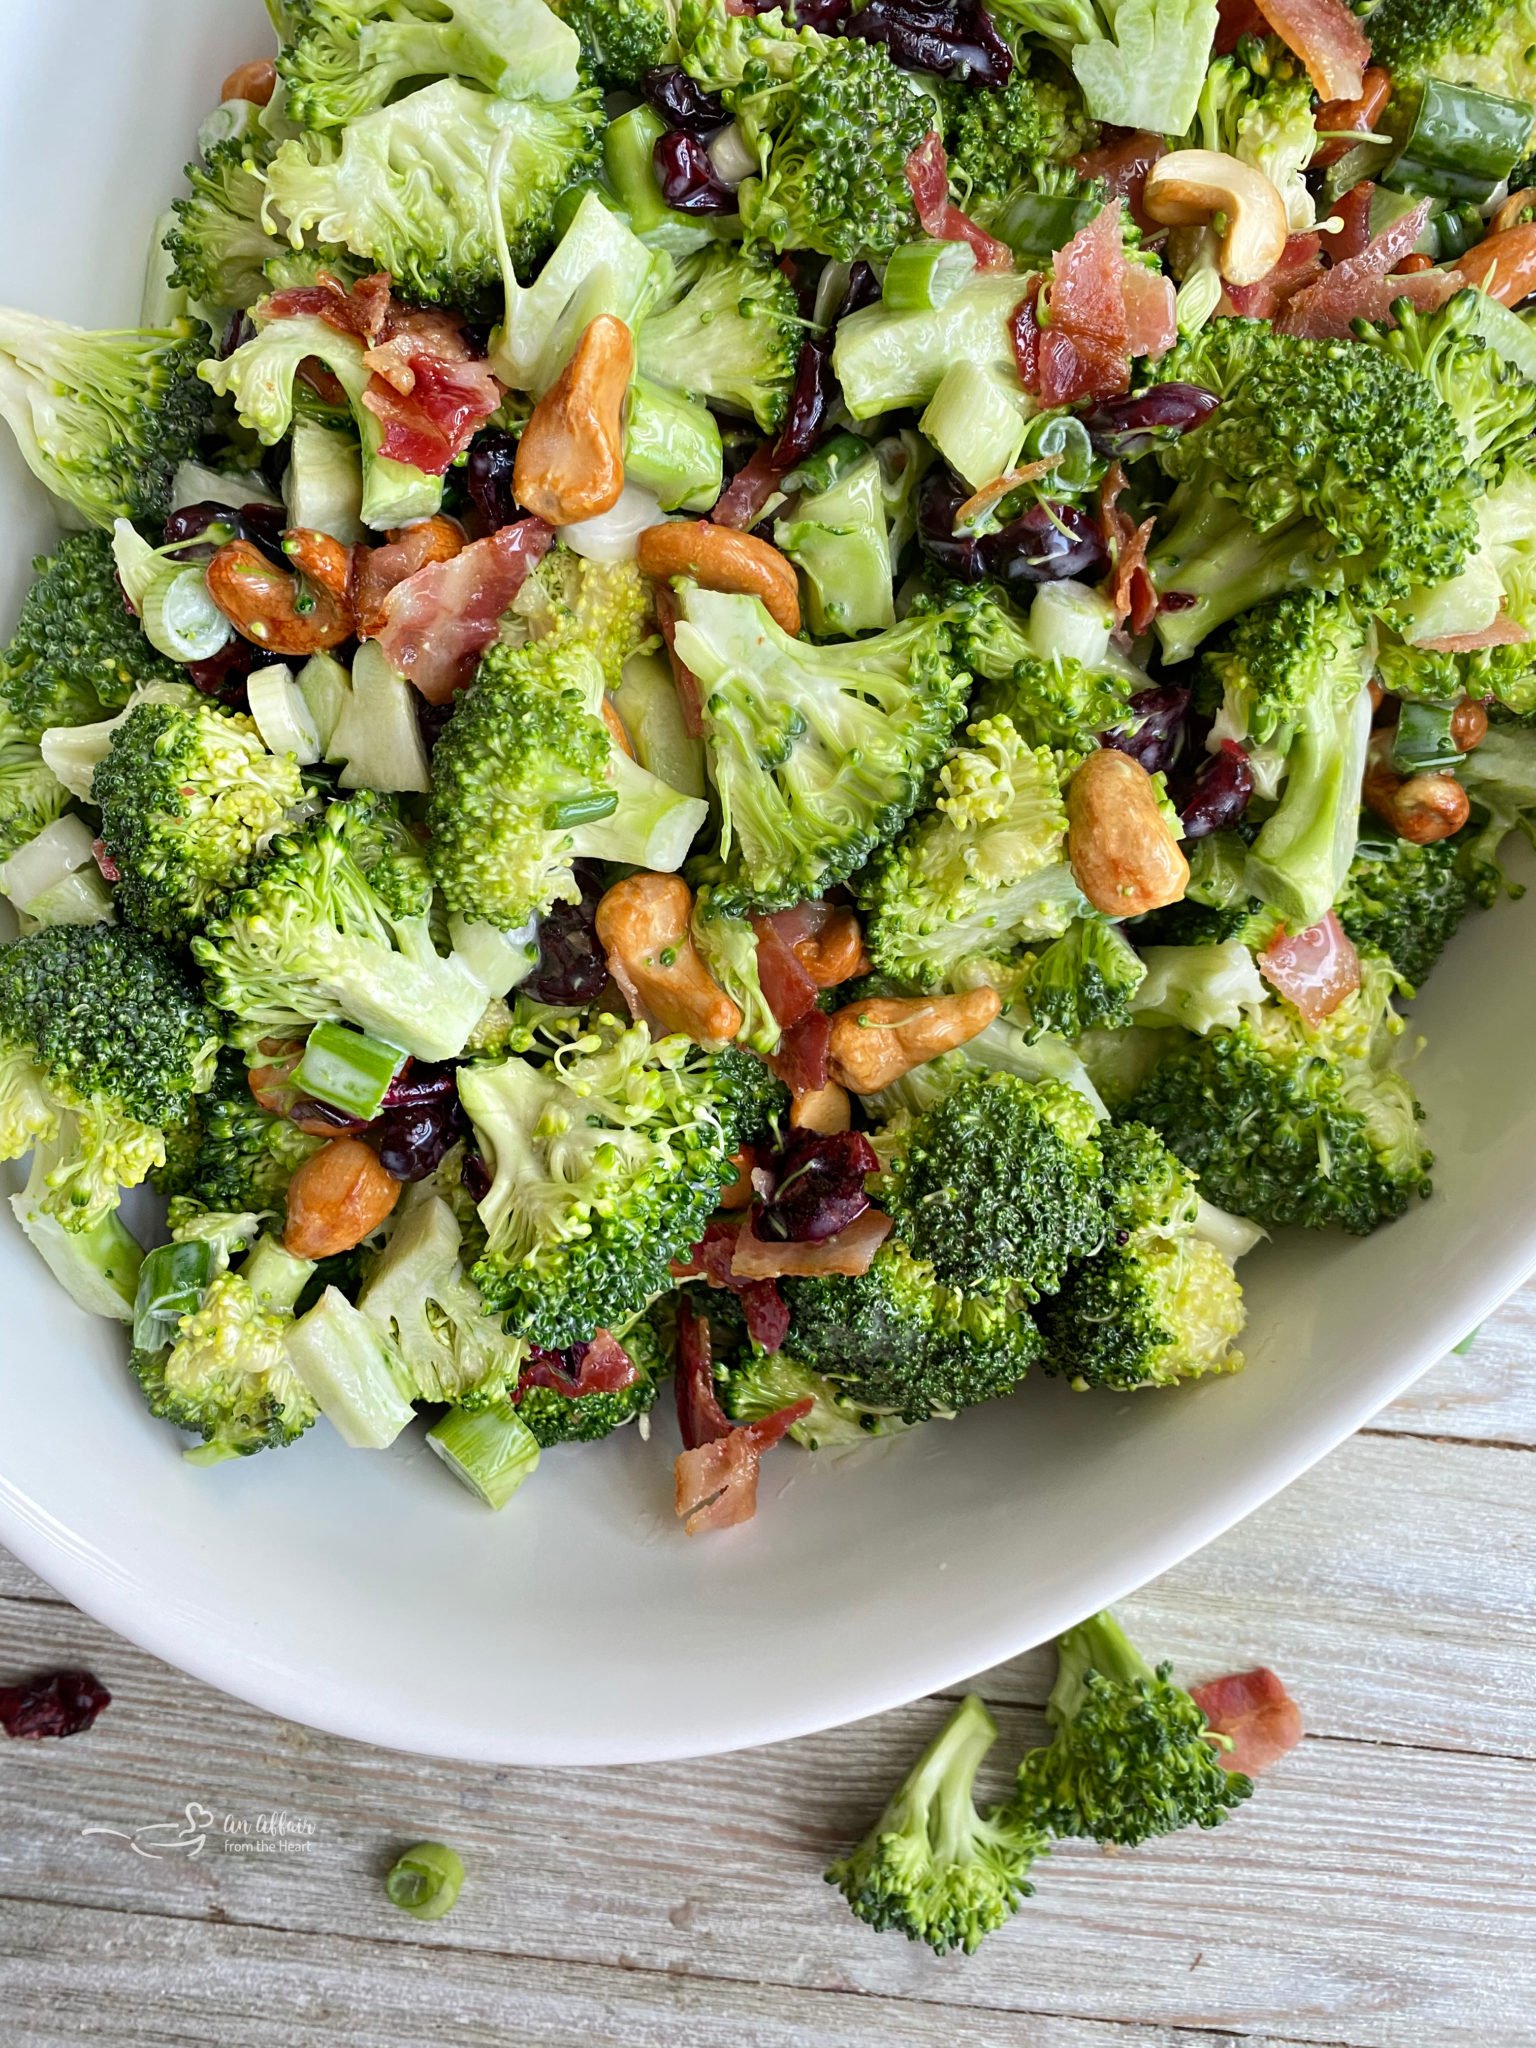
[(1128, 427), (413, 1141), (324, 1119), (827, 17), (236, 330), (1047, 544), (266, 525), (474, 1175), (956, 41), (689, 181), (818, 1186), (682, 102), (1177, 601), (939, 500), (62, 1703), (1223, 784), (1156, 734), (430, 719), (572, 967), (418, 1082), (488, 477), (222, 676), (190, 522), (810, 400)]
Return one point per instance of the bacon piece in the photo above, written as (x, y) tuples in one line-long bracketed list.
[(762, 1304), (376, 571), (1362, 287), (364, 311), (602, 1366), (787, 988), (439, 621), (1501, 632), (1327, 38), (801, 1061), (437, 419), (715, 1485), (850, 1252), (1315, 970), (1300, 262), (1254, 1710), (1121, 165), (107, 867), (699, 1415), (1151, 328), (1131, 592), (928, 181), (1075, 338)]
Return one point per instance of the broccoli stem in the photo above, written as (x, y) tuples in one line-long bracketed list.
[(1098, 1644), (942, 1783), (1220, 562)]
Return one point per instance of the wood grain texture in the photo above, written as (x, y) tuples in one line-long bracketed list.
[(1378, 1893)]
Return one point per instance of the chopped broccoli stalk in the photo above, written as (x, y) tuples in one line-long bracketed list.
[(1465, 42), (77, 652), (353, 1373), (527, 780), (336, 922), (606, 1161), (620, 39), (839, 539), (1140, 63), (1407, 901), (344, 58), (104, 1041), (982, 873), (1086, 981), (932, 1867), (731, 336), (1326, 465), (103, 419), (997, 140), (817, 754), (219, 244), (491, 1450), (410, 186), (186, 796), (1133, 1757), (598, 266), (1199, 987), (97, 1268), (885, 360), (425, 1303)]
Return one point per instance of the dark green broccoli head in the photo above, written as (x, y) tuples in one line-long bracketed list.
[(1492, 403), (895, 1342), (1085, 981), (77, 653), (103, 419), (932, 1867), (751, 1100), (1131, 1758), (1284, 663), (241, 1157), (758, 1383), (997, 1186), (620, 39), (1145, 1314), (219, 244), (1467, 42), (187, 794), (997, 140), (1407, 901), (1060, 703), (556, 1417)]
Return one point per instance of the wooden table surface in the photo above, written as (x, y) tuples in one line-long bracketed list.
[(1379, 1891)]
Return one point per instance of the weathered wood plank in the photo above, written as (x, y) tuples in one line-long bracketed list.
[(123, 1980), (1486, 1394)]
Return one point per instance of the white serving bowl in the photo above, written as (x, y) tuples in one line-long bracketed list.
[(368, 1595)]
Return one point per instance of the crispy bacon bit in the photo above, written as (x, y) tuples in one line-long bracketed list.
[(765, 1309), (437, 421), (1074, 339), (787, 988), (699, 1415), (850, 1252), (1362, 287), (1502, 632), (1300, 262), (801, 1060), (1350, 117), (1120, 164), (364, 311), (376, 571), (602, 1366), (439, 621), (1315, 970), (60, 1703), (1256, 1713), (928, 180), (1150, 322), (1327, 38), (1130, 589), (981, 502), (715, 1486)]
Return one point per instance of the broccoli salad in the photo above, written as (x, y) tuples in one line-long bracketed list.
[(784, 698)]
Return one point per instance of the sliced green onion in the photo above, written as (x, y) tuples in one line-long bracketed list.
[(1463, 143), (1358, 163), (348, 1069), (282, 714), (426, 1881), (492, 1450), (172, 1282), (922, 276), (1454, 229), (1422, 740), (1060, 435), (581, 810), (1036, 224), (180, 618)]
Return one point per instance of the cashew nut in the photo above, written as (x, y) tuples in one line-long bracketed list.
[(1419, 808), (339, 1196), (273, 607), (322, 558), (1503, 265), (1122, 850), (570, 461), (644, 923), (720, 558), (1194, 187), (739, 1193), (1469, 725), (875, 1043), (835, 953), (825, 1110), (256, 81)]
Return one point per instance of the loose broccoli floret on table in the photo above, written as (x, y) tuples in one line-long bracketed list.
[(77, 653)]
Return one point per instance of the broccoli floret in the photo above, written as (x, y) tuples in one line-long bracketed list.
[(1285, 1127), (620, 39), (1054, 699), (1133, 1757), (186, 797), (409, 186), (607, 1159), (1500, 778), (336, 922), (832, 123), (77, 652), (727, 944), (897, 1342), (932, 1867), (344, 58), (220, 243), (752, 1101), (996, 1186), (1492, 403), (1158, 1303), (731, 338), (818, 754), (980, 874), (1499, 580), (1326, 465), (226, 1377), (1085, 981), (1465, 42), (1209, 985), (103, 419), (419, 1294), (104, 1041), (1294, 677), (997, 140), (526, 780), (555, 1417), (753, 1383), (1407, 901), (605, 605), (237, 1156), (31, 795), (1140, 63)]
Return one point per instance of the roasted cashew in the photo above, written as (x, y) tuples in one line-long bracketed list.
[(834, 954), (1192, 187), (875, 1043), (1469, 725), (1122, 851), (570, 461), (643, 924), (826, 1110), (339, 1196), (1503, 265), (739, 1193), (720, 558), (1420, 808), (256, 81), (322, 558), (272, 606)]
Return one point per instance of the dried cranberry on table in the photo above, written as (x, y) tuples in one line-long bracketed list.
[(58, 1703)]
